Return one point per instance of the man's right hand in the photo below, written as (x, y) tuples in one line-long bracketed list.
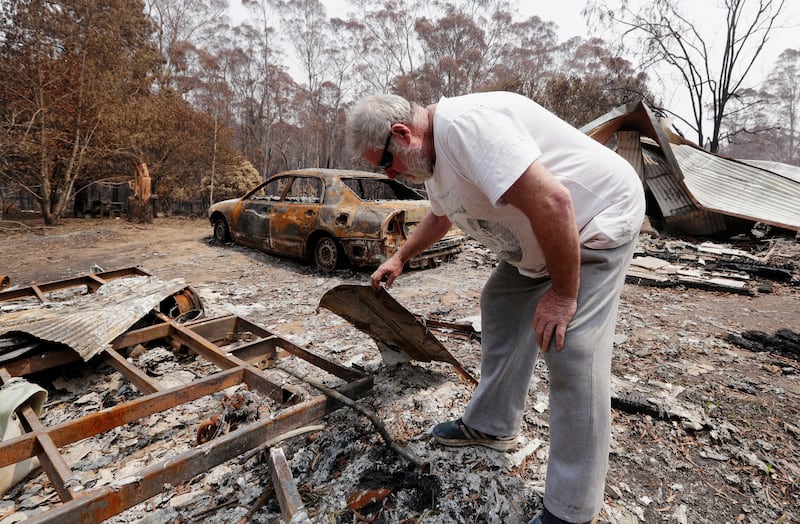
[(387, 271)]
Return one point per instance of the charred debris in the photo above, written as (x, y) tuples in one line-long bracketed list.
[(148, 367), (157, 393)]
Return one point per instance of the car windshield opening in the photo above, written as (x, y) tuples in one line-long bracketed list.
[(381, 189)]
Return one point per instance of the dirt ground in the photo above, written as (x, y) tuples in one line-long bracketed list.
[(741, 463)]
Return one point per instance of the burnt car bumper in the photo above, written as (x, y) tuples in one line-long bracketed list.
[(370, 253), (440, 252)]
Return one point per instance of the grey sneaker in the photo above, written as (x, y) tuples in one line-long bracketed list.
[(456, 433)]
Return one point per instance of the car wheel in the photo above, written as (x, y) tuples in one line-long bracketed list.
[(221, 231), (327, 255)]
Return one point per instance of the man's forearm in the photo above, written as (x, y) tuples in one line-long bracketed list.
[(430, 230), (558, 238)]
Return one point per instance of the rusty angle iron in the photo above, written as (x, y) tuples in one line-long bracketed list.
[(395, 330)]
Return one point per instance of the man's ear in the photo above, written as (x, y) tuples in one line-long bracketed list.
[(401, 134)]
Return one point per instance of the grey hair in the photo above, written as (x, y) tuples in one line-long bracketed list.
[(370, 120)]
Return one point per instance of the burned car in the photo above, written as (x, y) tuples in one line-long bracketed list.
[(331, 217)]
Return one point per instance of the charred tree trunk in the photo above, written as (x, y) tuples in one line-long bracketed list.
[(139, 209)]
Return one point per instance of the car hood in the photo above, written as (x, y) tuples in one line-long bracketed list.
[(223, 205)]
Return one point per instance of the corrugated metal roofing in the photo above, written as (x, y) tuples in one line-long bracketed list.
[(787, 170), (88, 323), (698, 189), (740, 190)]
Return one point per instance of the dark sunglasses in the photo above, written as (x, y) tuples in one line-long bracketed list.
[(386, 156)]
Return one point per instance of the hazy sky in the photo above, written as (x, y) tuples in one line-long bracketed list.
[(566, 14)]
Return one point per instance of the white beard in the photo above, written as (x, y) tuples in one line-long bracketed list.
[(418, 167)]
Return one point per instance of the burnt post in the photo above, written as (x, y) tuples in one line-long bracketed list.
[(139, 209)]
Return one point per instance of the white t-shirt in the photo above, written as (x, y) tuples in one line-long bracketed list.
[(485, 141)]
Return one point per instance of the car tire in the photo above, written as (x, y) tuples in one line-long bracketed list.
[(327, 254), (221, 231)]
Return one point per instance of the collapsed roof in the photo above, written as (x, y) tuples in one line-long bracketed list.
[(692, 190)]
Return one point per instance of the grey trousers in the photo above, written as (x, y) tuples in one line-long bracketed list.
[(580, 392)]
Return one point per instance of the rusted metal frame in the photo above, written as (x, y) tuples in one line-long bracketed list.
[(92, 281), (255, 378), (142, 335), (215, 329), (47, 359), (259, 350), (50, 459), (334, 369), (53, 464), (206, 349), (139, 378), (24, 292), (108, 501), (233, 323), (24, 447), (292, 508), (221, 329)]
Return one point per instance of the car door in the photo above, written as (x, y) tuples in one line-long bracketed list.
[(296, 216), (253, 225)]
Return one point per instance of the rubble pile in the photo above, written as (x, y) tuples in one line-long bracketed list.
[(704, 430)]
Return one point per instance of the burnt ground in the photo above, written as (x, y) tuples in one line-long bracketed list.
[(735, 457)]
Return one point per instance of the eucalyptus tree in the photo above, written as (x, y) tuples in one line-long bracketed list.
[(766, 122), (590, 81), (711, 69), (183, 27), (64, 66), (383, 34)]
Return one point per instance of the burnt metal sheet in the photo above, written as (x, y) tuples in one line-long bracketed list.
[(786, 170), (398, 334), (89, 323), (739, 190), (635, 116), (679, 209), (692, 185)]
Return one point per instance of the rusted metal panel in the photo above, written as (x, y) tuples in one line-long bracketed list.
[(629, 147), (679, 210), (699, 192), (89, 323), (635, 116), (399, 335)]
